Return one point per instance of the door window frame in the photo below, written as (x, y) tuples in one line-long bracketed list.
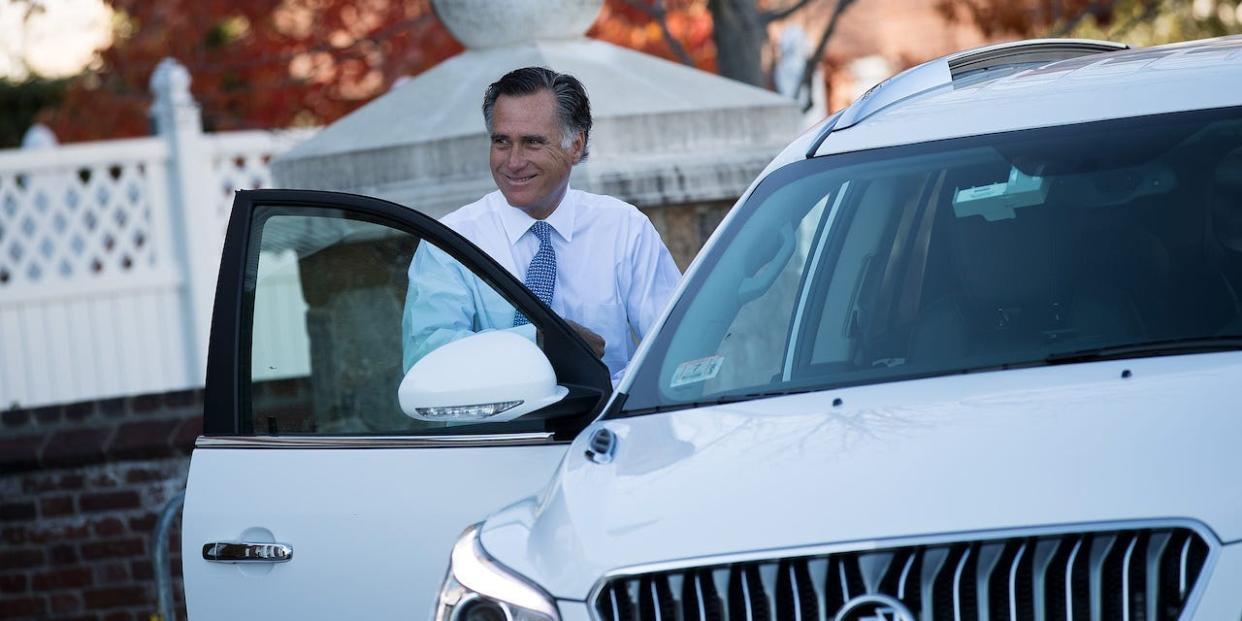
[(227, 381)]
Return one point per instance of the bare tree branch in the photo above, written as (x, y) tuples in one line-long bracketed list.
[(808, 72), (767, 17), (1150, 9), (655, 10), (1071, 24), (980, 16), (977, 13)]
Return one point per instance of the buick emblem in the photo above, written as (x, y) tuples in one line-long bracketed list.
[(874, 608)]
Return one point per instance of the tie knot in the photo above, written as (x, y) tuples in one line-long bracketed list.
[(542, 230)]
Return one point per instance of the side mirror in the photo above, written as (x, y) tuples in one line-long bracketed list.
[(486, 377)]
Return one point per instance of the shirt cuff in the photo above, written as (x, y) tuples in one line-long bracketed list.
[(526, 330)]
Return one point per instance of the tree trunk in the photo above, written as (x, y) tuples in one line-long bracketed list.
[(740, 38)]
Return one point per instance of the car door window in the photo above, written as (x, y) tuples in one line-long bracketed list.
[(336, 305), (330, 338)]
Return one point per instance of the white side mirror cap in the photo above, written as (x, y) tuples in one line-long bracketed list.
[(489, 377)]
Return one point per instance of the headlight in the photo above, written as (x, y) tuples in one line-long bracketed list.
[(478, 588)]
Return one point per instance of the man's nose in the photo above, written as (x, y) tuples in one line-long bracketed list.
[(515, 159)]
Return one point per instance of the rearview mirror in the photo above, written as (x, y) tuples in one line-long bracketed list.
[(489, 377)]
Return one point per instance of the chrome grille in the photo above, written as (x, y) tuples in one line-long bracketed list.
[(1137, 574)]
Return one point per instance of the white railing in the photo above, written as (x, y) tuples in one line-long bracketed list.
[(109, 253)]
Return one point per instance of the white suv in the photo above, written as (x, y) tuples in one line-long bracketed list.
[(968, 350)]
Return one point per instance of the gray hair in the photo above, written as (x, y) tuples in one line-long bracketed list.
[(572, 106)]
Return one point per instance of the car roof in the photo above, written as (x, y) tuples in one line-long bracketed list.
[(1090, 86)]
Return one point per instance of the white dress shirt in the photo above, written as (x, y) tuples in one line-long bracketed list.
[(613, 273)]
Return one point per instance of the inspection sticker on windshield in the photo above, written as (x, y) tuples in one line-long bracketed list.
[(695, 371)]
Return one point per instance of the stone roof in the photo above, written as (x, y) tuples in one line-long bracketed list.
[(663, 132)]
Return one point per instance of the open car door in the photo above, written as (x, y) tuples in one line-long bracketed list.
[(312, 494)]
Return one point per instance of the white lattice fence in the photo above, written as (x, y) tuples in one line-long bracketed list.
[(77, 219), (89, 300), (109, 253), (239, 161)]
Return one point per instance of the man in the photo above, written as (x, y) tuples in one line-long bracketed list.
[(595, 260)]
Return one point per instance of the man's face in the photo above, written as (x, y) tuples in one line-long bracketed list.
[(528, 163)]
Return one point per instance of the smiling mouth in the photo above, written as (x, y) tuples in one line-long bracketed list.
[(519, 180)]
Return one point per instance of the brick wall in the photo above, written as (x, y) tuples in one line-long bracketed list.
[(81, 488)]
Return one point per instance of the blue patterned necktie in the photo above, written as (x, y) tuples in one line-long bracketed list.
[(541, 274)]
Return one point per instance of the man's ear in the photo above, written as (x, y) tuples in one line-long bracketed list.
[(577, 147)]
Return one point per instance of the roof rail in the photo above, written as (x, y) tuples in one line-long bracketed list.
[(1035, 50), (944, 70)]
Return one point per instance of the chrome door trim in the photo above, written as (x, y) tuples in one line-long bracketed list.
[(1209, 537), (371, 442)]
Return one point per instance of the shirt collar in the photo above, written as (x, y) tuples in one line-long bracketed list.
[(516, 222)]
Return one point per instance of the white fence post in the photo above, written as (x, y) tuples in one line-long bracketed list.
[(177, 119), (39, 136)]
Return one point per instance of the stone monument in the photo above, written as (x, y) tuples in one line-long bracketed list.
[(680, 143)]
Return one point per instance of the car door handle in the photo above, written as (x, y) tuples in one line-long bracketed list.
[(243, 552)]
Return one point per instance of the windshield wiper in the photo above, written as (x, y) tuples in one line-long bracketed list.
[(1193, 345)]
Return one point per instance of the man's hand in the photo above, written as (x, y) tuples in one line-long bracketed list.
[(594, 340)]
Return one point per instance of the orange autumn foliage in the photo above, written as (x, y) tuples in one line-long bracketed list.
[(261, 64), (1023, 18), (621, 23), (254, 63)]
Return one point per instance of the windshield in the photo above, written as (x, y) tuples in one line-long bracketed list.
[(960, 255)]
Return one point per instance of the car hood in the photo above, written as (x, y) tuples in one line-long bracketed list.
[(1019, 448)]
